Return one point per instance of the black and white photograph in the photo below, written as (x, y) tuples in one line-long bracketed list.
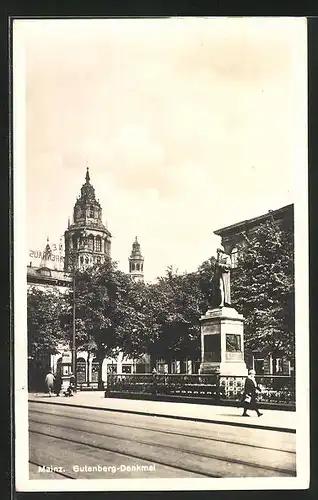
[(161, 328)]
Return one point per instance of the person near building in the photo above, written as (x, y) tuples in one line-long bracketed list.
[(49, 381), (71, 388), (58, 384), (249, 401)]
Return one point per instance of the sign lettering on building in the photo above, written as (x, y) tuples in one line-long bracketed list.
[(39, 254), (51, 257)]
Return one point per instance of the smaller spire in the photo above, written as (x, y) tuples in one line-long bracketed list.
[(87, 177)]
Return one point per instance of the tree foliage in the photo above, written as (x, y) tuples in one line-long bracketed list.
[(100, 294), (263, 289), (113, 313), (45, 331)]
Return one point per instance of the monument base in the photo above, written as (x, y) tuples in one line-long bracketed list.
[(222, 342), (227, 369)]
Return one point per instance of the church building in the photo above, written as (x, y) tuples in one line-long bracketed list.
[(136, 262), (87, 241)]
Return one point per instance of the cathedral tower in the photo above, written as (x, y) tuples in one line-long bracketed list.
[(87, 240), (136, 262)]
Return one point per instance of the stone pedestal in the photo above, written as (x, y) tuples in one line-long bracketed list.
[(222, 342)]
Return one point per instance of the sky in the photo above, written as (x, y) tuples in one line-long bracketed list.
[(187, 125)]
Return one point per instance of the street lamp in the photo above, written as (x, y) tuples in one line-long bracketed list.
[(74, 329)]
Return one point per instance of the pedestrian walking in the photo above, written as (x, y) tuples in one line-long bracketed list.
[(49, 381), (249, 401)]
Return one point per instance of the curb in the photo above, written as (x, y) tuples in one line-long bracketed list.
[(176, 417)]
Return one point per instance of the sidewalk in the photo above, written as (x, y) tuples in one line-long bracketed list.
[(284, 421)]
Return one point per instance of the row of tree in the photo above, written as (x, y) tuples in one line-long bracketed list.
[(113, 313)]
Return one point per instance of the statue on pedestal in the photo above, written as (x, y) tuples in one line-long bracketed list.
[(221, 281)]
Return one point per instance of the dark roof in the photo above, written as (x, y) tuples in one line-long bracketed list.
[(46, 275), (288, 209)]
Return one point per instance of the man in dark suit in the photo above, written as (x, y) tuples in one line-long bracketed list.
[(249, 395)]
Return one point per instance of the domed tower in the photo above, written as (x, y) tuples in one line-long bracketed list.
[(136, 262), (87, 240)]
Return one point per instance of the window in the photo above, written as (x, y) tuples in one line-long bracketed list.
[(126, 368), (91, 212), (279, 365), (175, 367), (81, 370), (44, 271), (162, 368), (112, 368), (95, 370), (137, 267), (98, 244), (91, 243)]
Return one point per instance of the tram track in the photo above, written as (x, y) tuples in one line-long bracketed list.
[(167, 432), (129, 455), (120, 442)]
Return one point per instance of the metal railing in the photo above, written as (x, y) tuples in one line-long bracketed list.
[(274, 389)]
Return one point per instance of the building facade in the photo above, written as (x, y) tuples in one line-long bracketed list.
[(232, 237)]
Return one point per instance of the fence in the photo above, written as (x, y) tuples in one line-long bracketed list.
[(276, 390)]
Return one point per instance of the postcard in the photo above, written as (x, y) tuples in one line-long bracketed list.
[(161, 323)]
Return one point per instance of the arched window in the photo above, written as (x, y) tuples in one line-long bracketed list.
[(81, 370), (81, 259), (91, 243), (98, 244), (91, 212), (133, 266), (234, 257), (142, 267), (138, 267), (86, 260), (95, 370)]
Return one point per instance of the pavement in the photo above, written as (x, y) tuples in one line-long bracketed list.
[(284, 421)]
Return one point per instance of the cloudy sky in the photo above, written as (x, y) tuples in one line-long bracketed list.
[(187, 125)]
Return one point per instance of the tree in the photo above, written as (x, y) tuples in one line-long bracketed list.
[(45, 331), (263, 289), (99, 299), (174, 305), (206, 273), (138, 330)]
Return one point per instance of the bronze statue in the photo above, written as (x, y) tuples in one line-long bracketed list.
[(221, 282)]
